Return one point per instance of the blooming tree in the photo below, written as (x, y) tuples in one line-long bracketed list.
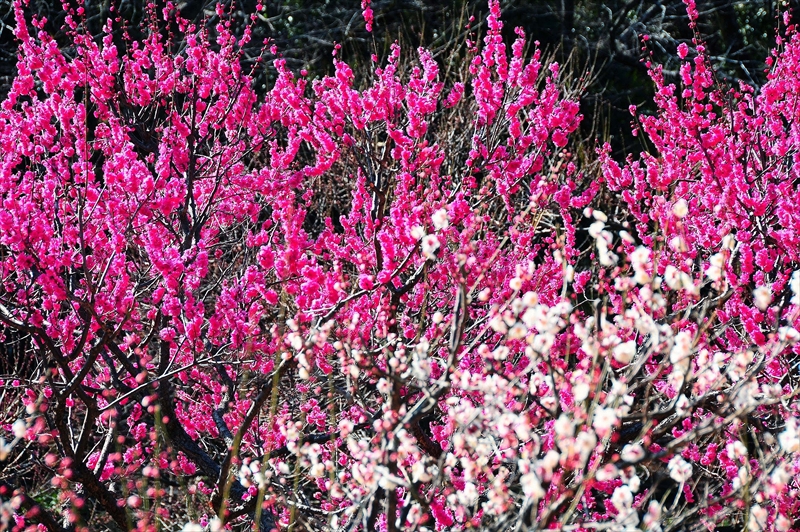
[(408, 303)]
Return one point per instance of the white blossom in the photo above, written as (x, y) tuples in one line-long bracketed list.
[(606, 473), (717, 263), (622, 499), (788, 334), (419, 473), (606, 257), (790, 437), (780, 477), (5, 448), (672, 277), (625, 352), (440, 219), (317, 470), (762, 297), (682, 405), (782, 523), (652, 519), (498, 324), (530, 299), (517, 331), (681, 348), (580, 387), (564, 426), (604, 420), (387, 480), (758, 518), (429, 246), (585, 444), (680, 208), (19, 428), (632, 453), (640, 256), (595, 229), (679, 469), (677, 243), (627, 237)]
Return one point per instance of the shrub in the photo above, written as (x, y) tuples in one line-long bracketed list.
[(401, 305)]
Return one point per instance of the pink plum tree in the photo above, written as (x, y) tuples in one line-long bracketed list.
[(410, 302)]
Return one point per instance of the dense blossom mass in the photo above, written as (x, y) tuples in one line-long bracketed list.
[(413, 301)]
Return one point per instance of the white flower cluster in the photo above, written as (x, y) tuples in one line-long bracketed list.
[(537, 471), (19, 430), (603, 238), (537, 323), (250, 473), (430, 243), (679, 469), (652, 519), (790, 437), (680, 208), (622, 499), (716, 266), (680, 357), (625, 352), (420, 361), (680, 280), (640, 262), (440, 219), (572, 446), (762, 297)]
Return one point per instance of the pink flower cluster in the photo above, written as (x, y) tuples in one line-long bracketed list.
[(394, 304)]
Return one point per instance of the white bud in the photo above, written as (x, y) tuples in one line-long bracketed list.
[(680, 208)]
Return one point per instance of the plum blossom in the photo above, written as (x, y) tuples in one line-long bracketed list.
[(716, 265), (532, 486), (440, 219), (430, 244), (680, 208), (763, 297), (632, 453), (679, 469), (789, 439), (449, 346), (604, 420), (625, 352)]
